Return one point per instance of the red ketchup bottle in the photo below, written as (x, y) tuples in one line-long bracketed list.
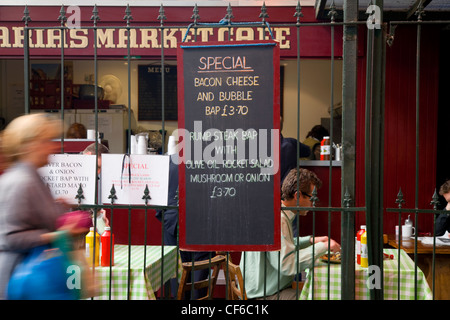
[(107, 248), (358, 244), (325, 148)]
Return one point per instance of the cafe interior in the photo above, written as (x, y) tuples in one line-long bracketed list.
[(387, 157)]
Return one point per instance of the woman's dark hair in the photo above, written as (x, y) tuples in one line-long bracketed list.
[(318, 132)]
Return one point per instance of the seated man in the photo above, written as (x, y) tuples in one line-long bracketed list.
[(257, 263), (443, 220)]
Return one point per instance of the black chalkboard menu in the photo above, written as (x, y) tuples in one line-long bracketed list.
[(228, 126), (150, 92)]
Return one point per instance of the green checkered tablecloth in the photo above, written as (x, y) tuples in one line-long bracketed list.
[(363, 279), (143, 281)]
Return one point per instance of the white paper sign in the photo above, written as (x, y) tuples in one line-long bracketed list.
[(65, 172), (150, 171)]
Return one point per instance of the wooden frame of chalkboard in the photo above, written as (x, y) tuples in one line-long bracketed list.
[(228, 114), (150, 92)]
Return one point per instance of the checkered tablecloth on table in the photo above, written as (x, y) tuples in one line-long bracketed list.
[(390, 268), (143, 281)]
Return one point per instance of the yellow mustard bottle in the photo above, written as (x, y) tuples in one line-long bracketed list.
[(364, 253), (90, 247)]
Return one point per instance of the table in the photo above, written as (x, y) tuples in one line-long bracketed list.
[(143, 281), (390, 268), (425, 263)]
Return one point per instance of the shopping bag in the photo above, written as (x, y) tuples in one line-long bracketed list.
[(41, 276)]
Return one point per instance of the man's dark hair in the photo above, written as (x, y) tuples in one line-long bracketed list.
[(305, 178), (445, 188)]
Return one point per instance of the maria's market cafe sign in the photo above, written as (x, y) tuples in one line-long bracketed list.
[(145, 42)]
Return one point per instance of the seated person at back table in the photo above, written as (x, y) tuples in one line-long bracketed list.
[(257, 263), (313, 139), (76, 131)]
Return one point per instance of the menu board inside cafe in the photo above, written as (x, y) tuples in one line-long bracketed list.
[(150, 92), (228, 126)]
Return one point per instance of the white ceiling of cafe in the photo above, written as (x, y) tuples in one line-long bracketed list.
[(404, 9), (399, 5)]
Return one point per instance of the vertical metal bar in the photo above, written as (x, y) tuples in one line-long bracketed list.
[(349, 84), (399, 251), (330, 170), (163, 133), (111, 248), (95, 247), (62, 18), (162, 89), (314, 199), (62, 88), (192, 275), (95, 18), (433, 265), (298, 14), (163, 143), (368, 129), (96, 99), (313, 250), (228, 293), (265, 274), (129, 17), (416, 216), (209, 278), (298, 97), (279, 277), (367, 120), (145, 241), (435, 203), (62, 82), (162, 251), (195, 17), (178, 247), (400, 202), (26, 60), (146, 198), (229, 16), (129, 256), (374, 172), (244, 267)]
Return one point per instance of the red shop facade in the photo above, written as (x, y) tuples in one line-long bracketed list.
[(399, 100)]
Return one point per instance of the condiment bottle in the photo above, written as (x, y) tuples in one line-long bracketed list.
[(325, 148), (107, 248), (408, 222), (92, 240), (364, 253), (358, 244)]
